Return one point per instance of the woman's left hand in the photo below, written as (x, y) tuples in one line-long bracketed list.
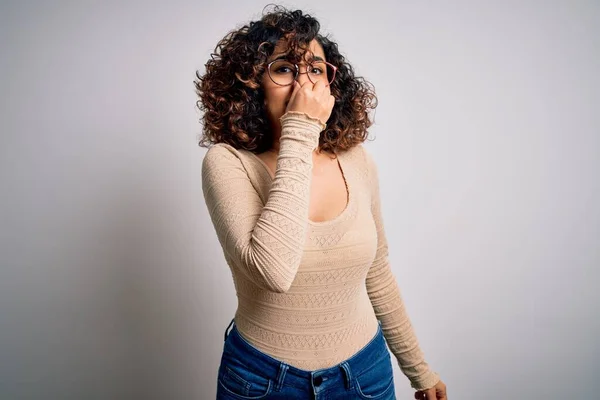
[(438, 392)]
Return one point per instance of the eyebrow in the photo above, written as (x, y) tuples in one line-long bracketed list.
[(284, 56)]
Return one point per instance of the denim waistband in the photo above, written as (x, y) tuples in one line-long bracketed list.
[(259, 361)]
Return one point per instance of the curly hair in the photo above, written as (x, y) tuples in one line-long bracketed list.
[(232, 97)]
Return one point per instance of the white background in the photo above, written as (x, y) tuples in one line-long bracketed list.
[(487, 137)]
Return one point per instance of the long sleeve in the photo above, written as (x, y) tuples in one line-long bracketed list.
[(388, 304), (265, 242)]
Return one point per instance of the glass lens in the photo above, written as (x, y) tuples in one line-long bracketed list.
[(282, 72), (320, 70)]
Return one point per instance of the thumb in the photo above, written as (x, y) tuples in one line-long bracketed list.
[(296, 87)]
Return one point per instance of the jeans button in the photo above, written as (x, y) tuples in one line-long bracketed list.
[(318, 380)]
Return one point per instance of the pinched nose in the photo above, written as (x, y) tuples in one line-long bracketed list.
[(302, 78)]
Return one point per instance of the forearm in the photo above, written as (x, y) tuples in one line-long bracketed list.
[(264, 241), (278, 239)]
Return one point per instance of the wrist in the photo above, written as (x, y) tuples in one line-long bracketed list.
[(303, 119)]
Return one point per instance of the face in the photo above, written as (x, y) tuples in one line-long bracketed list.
[(276, 96)]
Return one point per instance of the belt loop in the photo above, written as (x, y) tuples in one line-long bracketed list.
[(348, 374), (224, 339), (283, 367)]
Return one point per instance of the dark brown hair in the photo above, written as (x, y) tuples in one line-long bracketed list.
[(232, 98)]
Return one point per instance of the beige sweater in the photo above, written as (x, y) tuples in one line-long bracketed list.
[(309, 293)]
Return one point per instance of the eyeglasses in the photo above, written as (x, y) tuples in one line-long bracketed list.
[(283, 73)]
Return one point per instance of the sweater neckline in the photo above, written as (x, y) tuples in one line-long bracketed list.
[(349, 189)]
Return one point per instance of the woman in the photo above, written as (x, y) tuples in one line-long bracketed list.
[(294, 199)]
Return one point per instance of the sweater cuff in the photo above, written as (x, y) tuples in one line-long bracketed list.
[(302, 120), (425, 381)]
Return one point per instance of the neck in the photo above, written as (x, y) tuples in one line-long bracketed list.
[(275, 146)]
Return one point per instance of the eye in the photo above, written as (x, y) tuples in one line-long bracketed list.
[(282, 67)]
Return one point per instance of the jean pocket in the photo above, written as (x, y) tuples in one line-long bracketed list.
[(377, 381), (242, 383)]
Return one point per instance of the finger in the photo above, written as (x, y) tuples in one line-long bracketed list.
[(430, 394), (326, 89), (319, 87), (296, 87), (307, 84), (322, 92)]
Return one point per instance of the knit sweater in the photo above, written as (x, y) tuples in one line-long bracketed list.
[(309, 293)]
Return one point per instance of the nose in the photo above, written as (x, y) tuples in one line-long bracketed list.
[(302, 74), (302, 78)]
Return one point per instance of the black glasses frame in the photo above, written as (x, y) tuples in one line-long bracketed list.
[(298, 72)]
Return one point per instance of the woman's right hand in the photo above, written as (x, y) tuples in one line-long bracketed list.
[(312, 99)]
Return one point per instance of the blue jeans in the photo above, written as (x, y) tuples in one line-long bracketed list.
[(248, 373)]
